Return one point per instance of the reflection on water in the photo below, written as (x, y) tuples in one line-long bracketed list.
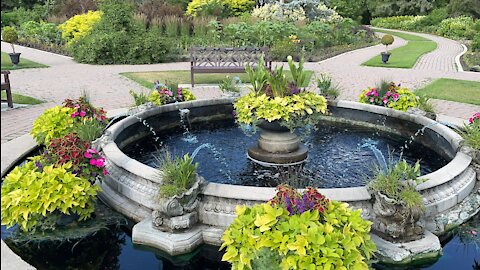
[(113, 249)]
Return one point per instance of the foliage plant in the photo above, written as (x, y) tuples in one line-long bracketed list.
[(387, 40), (273, 97), (168, 92), (397, 97), (83, 109), (139, 98), (219, 7), (305, 238), (30, 194), (398, 182), (86, 162), (79, 26), (9, 34), (32, 31), (53, 123), (424, 104), (230, 84), (176, 173), (471, 132), (325, 86)]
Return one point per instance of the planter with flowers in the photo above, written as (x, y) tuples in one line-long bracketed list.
[(299, 231), (471, 136), (165, 93), (392, 96), (58, 186), (279, 106)]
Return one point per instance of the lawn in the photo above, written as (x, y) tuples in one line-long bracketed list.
[(24, 63), (405, 56), (453, 90), (183, 77), (21, 99)]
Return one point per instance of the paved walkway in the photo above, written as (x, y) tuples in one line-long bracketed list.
[(106, 87)]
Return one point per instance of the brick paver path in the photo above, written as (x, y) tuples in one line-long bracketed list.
[(106, 87)]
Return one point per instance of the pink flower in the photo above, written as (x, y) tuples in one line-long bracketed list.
[(77, 106), (100, 162), (75, 114), (372, 99), (395, 96), (375, 94), (389, 93), (93, 162), (83, 113), (105, 172), (385, 100), (91, 151), (87, 155), (368, 93)]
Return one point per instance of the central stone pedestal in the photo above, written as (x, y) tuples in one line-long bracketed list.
[(277, 146)]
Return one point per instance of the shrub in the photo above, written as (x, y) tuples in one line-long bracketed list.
[(338, 237), (387, 40), (9, 34), (219, 8), (20, 15), (456, 28), (70, 8), (325, 87), (230, 84), (30, 193), (79, 26), (177, 174), (53, 123), (139, 98)]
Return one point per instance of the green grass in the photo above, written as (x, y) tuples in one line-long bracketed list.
[(146, 79), (24, 63), (21, 99), (405, 56), (453, 90)]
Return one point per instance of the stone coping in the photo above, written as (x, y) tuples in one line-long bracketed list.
[(458, 164)]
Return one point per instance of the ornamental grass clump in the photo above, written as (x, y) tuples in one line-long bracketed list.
[(176, 173), (275, 98), (298, 231), (398, 182)]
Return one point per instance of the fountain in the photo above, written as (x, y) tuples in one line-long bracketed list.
[(131, 187)]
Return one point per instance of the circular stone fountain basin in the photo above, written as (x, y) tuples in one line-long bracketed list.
[(132, 186)]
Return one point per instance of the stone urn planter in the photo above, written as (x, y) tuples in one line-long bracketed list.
[(231, 94), (15, 58), (394, 221), (180, 211), (277, 146), (385, 57)]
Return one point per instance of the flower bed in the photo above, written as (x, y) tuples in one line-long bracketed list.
[(394, 97)]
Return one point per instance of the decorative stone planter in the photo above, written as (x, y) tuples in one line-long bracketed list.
[(394, 221), (277, 146), (230, 94), (385, 57), (180, 211), (15, 58)]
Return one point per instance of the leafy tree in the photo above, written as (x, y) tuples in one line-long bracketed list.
[(386, 8), (352, 9), (465, 7)]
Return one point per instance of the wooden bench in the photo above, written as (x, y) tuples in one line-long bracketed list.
[(6, 88), (225, 60)]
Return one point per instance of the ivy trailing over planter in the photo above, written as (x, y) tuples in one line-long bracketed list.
[(306, 231)]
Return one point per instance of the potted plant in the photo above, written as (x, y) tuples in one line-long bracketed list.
[(230, 86), (9, 34), (325, 87), (398, 205), (178, 194), (298, 231), (169, 92), (386, 40), (278, 106)]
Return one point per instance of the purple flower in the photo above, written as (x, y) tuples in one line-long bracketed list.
[(293, 88), (39, 165), (288, 205)]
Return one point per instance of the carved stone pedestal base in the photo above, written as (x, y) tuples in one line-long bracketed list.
[(403, 253), (169, 224)]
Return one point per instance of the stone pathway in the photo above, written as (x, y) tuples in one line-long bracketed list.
[(106, 87)]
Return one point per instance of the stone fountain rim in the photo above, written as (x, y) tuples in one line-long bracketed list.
[(455, 167)]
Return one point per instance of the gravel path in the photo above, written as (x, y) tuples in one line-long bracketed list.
[(106, 87)]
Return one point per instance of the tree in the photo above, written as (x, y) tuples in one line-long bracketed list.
[(352, 9), (465, 7), (386, 8)]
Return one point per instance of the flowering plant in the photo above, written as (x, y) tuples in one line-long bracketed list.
[(474, 118), (165, 93), (393, 97), (273, 97), (297, 203), (86, 161), (84, 109)]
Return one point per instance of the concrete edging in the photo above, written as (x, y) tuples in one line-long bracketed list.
[(457, 58)]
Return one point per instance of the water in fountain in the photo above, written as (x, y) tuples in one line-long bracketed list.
[(369, 143), (185, 123), (217, 155)]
